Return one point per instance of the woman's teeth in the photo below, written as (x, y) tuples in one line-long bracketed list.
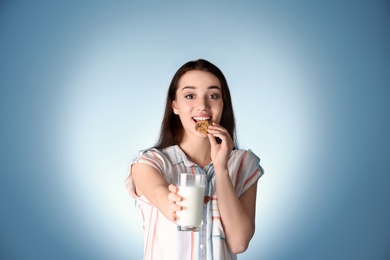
[(201, 118)]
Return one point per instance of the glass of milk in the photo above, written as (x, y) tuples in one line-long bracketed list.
[(192, 190)]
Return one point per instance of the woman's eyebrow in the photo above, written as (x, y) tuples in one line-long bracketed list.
[(193, 87), (214, 87), (188, 87)]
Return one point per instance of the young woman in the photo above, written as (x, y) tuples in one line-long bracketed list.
[(198, 91)]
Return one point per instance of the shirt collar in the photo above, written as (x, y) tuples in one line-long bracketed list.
[(180, 156)]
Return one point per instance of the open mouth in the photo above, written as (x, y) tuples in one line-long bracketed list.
[(196, 119)]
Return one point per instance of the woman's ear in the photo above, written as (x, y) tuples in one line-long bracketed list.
[(174, 107)]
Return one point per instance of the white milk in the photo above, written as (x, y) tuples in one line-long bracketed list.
[(192, 203)]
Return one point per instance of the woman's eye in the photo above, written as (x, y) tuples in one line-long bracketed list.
[(189, 96), (214, 96)]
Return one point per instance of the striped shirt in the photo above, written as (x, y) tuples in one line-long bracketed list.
[(161, 238)]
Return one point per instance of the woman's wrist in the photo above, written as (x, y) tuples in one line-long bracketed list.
[(221, 170)]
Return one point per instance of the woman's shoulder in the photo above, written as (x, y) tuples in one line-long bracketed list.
[(246, 156), (244, 152), (153, 152)]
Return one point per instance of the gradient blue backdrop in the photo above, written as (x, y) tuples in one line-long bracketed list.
[(83, 85)]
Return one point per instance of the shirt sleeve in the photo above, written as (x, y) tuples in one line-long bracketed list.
[(151, 157), (249, 172)]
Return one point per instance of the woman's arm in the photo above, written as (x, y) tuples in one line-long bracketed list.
[(237, 214), (150, 183)]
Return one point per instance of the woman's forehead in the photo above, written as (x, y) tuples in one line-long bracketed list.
[(198, 79)]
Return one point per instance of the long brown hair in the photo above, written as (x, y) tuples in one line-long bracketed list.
[(172, 130)]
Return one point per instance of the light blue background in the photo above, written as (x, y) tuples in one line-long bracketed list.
[(83, 86)]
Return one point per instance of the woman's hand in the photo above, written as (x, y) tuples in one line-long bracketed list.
[(173, 197), (220, 153)]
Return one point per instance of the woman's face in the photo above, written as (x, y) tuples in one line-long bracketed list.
[(198, 97)]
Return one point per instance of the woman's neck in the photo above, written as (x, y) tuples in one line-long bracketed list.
[(198, 152)]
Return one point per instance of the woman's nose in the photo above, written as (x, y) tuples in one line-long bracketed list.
[(203, 104)]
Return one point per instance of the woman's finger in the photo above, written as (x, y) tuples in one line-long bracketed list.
[(217, 130), (173, 197), (174, 207), (173, 188), (213, 142), (225, 137)]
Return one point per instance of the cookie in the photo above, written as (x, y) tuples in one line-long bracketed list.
[(202, 126)]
